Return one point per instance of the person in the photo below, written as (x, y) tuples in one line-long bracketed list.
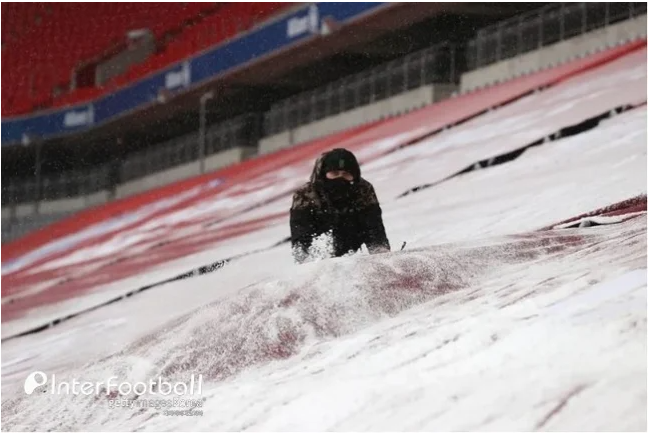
[(338, 203)]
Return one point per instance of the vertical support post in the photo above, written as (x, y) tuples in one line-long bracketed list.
[(562, 22), (422, 68), (519, 41), (499, 50), (37, 173), (284, 116), (453, 78), (327, 111), (202, 125), (388, 78), (540, 30), (406, 62), (357, 90)]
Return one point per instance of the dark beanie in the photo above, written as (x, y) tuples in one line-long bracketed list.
[(341, 160)]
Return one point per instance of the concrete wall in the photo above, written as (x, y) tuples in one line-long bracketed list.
[(23, 218), (7, 213), (26, 209), (229, 157), (61, 206), (54, 207), (70, 205), (20, 226), (212, 163), (592, 42), (158, 179), (275, 142), (393, 106), (97, 198)]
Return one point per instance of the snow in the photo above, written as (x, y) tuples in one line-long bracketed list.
[(104, 227), (482, 323), (487, 343)]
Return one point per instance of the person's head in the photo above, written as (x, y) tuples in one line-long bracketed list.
[(340, 164), (339, 171)]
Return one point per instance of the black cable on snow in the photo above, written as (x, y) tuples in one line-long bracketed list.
[(568, 131)]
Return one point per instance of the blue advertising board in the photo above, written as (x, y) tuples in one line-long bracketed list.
[(295, 28)]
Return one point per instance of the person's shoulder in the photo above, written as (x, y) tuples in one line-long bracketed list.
[(366, 193), (304, 197), (365, 185)]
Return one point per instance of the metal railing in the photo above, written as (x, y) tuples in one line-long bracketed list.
[(54, 187), (542, 27), (163, 156), (437, 64), (240, 131)]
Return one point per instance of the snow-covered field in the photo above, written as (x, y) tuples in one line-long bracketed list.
[(483, 322)]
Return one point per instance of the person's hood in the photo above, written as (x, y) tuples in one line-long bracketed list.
[(336, 159)]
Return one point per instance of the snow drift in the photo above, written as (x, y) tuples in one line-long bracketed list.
[(363, 315)]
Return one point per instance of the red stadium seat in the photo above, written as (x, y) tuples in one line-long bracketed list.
[(60, 37), (231, 19)]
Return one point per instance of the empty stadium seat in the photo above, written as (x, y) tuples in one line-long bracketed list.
[(232, 19), (58, 38)]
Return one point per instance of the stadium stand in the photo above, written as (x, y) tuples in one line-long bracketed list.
[(212, 30), (391, 89), (549, 36), (196, 224), (61, 44), (147, 233), (553, 34)]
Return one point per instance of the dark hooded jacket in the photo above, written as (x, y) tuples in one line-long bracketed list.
[(348, 211)]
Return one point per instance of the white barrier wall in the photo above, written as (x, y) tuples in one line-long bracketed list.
[(30, 216), (54, 207), (61, 206), (592, 42), (275, 142), (212, 163), (97, 198), (157, 179), (26, 209), (6, 213), (70, 205), (229, 157)]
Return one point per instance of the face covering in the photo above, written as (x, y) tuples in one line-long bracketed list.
[(337, 190)]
